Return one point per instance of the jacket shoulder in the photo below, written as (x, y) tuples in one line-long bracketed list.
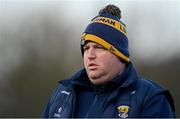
[(59, 88), (148, 85), (148, 89)]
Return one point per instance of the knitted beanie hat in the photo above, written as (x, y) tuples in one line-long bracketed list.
[(108, 30)]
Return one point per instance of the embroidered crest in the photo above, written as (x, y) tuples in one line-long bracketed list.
[(123, 111), (111, 49), (83, 39)]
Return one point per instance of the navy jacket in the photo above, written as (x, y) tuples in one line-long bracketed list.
[(127, 95)]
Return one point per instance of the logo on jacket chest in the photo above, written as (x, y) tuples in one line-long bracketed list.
[(58, 115), (123, 111)]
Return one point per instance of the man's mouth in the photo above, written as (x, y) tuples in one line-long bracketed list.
[(92, 66)]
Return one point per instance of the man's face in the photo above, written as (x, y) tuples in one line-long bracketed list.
[(101, 65)]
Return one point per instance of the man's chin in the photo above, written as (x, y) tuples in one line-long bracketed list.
[(94, 75), (96, 81)]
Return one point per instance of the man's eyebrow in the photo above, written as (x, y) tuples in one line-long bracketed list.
[(86, 45)]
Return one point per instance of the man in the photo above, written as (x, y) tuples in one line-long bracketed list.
[(109, 86)]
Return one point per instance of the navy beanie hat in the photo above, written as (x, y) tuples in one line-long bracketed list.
[(108, 31)]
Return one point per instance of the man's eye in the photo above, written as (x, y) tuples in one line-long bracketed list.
[(85, 48), (100, 47)]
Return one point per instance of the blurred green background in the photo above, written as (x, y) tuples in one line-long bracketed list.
[(39, 45)]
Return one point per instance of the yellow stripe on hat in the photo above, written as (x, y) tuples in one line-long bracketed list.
[(105, 44), (111, 22)]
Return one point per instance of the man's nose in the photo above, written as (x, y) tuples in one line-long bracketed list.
[(91, 53)]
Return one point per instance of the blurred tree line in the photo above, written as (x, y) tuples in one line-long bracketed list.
[(39, 49)]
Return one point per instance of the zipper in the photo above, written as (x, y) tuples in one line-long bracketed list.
[(73, 104), (94, 102)]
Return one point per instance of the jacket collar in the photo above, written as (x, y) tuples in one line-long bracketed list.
[(131, 75)]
